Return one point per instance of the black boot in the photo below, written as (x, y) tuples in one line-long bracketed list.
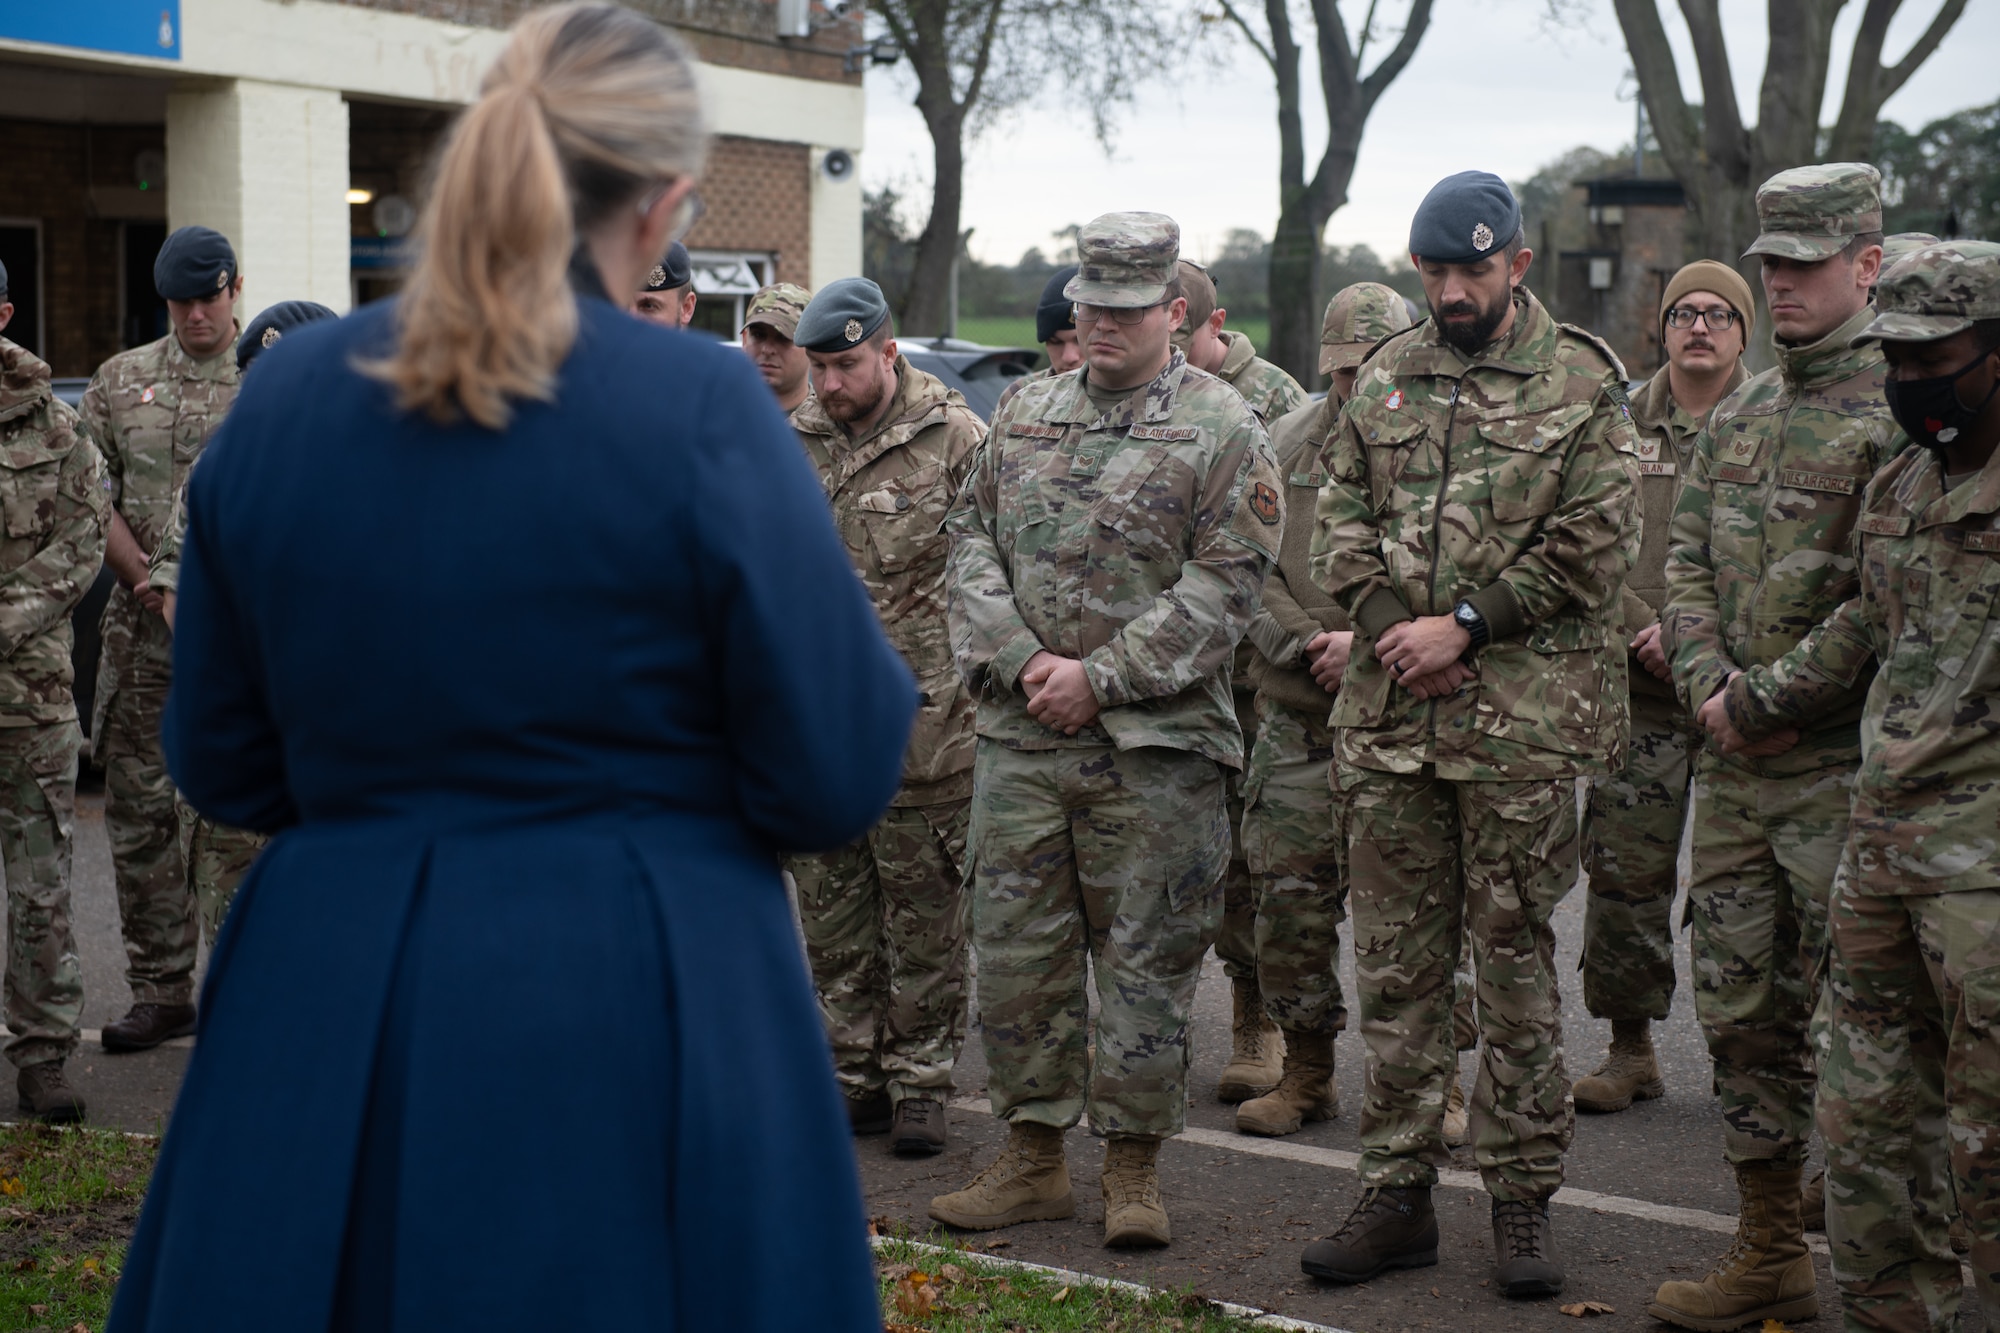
[(1389, 1228), (1524, 1248), (147, 1025)]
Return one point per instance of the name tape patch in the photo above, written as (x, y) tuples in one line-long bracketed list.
[(1885, 525), (1830, 482), (1166, 433), (1647, 469), (1988, 542), (1747, 476), (1035, 430)]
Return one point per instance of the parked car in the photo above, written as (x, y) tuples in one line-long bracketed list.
[(979, 372)]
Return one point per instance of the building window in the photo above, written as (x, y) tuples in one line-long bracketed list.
[(724, 282)]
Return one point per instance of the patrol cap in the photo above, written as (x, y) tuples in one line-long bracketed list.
[(1199, 289), (1811, 213), (778, 306), (840, 315), (673, 271), (1464, 218), (1055, 312), (194, 264), (275, 323), (1905, 243), (1936, 292), (1357, 318), (1125, 260)]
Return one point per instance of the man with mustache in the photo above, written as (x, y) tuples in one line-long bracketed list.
[(1479, 517), (884, 917), (1761, 551), (1706, 316), (769, 323)]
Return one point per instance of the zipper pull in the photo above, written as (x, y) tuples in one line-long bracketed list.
[(1454, 393)]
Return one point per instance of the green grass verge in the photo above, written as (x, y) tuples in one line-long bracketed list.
[(1020, 332), (69, 1199), (957, 1292)]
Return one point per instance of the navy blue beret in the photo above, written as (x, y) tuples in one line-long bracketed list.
[(841, 314), (673, 271), (1464, 219), (1055, 312), (274, 324), (194, 264)]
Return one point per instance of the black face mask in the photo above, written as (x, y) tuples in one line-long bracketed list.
[(1929, 411)]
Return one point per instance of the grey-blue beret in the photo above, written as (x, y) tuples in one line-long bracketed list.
[(194, 264), (1464, 219), (673, 271), (840, 315), (274, 324)]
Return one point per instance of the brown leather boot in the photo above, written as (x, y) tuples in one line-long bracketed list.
[(47, 1095), (1525, 1249), (146, 1026), (1133, 1213), (1305, 1093), (1767, 1273), (1257, 1059), (1630, 1072), (1027, 1182), (1389, 1228), (919, 1127)]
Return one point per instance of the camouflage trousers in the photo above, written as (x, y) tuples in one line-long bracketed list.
[(1115, 856), (140, 815), (1632, 854), (1292, 846), (1431, 863), (1236, 945), (1765, 851), (1909, 1104), (884, 922), (37, 825), (217, 857)]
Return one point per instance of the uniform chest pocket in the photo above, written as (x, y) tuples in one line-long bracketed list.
[(1399, 449), (1962, 614), (904, 519), (1146, 496), (28, 481), (1524, 461)]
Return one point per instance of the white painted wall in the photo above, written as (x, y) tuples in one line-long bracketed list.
[(836, 222), (266, 165)]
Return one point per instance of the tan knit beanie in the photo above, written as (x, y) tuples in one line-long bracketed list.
[(1706, 275)]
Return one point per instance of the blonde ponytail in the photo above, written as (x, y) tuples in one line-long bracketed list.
[(587, 108)]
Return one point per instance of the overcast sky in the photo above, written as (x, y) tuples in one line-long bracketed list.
[(1489, 88)]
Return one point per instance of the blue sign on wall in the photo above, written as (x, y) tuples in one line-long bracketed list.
[(129, 27)]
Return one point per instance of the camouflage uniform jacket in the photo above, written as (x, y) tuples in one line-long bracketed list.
[(53, 508), (1135, 540), (1294, 609), (151, 411), (1762, 534), (1016, 385), (1509, 481), (163, 570), (1927, 796), (890, 491), (1270, 392), (1667, 433)]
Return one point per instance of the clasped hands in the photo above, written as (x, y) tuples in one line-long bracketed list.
[(1059, 693), (1714, 718), (1423, 655)]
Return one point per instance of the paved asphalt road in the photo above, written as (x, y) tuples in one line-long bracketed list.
[(1242, 1208)]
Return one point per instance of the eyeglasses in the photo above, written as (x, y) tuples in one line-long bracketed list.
[(690, 212), (1126, 315), (1717, 320)]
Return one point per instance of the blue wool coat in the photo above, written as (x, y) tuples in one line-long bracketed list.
[(509, 1027)]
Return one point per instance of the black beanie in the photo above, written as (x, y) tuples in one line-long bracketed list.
[(1055, 312)]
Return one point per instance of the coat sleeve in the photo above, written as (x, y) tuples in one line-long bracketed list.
[(163, 570), (1347, 559), (819, 705), (1188, 631), (45, 587), (1691, 624), (989, 638), (1821, 675)]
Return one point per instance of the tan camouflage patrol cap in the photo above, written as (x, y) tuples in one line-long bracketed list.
[(779, 306), (1935, 293), (1811, 213), (1905, 243), (1357, 318), (1125, 259)]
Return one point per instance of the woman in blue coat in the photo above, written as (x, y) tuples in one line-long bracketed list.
[(524, 626)]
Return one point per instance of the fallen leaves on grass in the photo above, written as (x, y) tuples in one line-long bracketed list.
[(1587, 1309), (915, 1296), (11, 1186), (1059, 1297), (952, 1273)]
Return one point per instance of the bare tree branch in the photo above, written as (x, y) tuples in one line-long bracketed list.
[(1660, 83), (1722, 118), (1367, 31), (1392, 65), (985, 56), (1249, 34), (1899, 74)]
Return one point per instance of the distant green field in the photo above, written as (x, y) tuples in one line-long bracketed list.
[(1020, 332)]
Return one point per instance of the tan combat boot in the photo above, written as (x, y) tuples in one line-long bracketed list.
[(1257, 1061), (1305, 1093), (1630, 1071), (1027, 1182), (1133, 1213), (1767, 1273)]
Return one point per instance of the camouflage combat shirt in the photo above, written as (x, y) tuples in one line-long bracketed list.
[(1762, 538), (1927, 796), (890, 491), (1295, 610), (1134, 539), (53, 509), (1270, 392), (1508, 480)]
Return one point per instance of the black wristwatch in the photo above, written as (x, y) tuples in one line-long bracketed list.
[(1468, 618)]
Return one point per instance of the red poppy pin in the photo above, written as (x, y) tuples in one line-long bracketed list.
[(1395, 400), (1264, 503)]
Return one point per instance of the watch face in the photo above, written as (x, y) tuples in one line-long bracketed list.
[(1466, 616)]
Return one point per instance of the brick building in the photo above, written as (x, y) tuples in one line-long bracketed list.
[(302, 130), (1617, 243)]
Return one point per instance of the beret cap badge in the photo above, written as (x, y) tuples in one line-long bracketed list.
[(271, 335), (221, 279), (1482, 237), (853, 331), (658, 277)]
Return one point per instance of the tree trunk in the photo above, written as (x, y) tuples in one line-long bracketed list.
[(930, 279), (1294, 287)]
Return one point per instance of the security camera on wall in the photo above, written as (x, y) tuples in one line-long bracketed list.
[(838, 164)]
